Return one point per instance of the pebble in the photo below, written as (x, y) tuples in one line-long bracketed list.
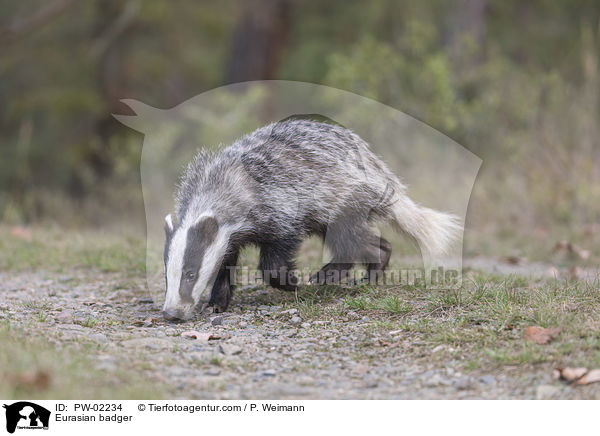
[(98, 337), (64, 317), (487, 379), (201, 356), (547, 392), (106, 363), (170, 331), (463, 383), (229, 349), (353, 315), (305, 325), (243, 324), (150, 343), (216, 320), (295, 320), (269, 373)]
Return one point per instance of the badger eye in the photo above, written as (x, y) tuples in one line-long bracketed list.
[(190, 276)]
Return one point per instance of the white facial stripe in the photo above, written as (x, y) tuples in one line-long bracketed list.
[(169, 221), (175, 267), (212, 257)]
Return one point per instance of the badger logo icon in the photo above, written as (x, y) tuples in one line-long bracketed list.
[(26, 415)]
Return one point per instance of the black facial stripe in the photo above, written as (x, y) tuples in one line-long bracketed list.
[(199, 238)]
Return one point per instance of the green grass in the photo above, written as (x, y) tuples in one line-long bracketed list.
[(89, 322), (41, 316), (58, 250), (32, 368), (482, 322)]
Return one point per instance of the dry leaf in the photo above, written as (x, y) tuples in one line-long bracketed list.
[(146, 322), (515, 260), (202, 336), (592, 376), (36, 380), (389, 344), (540, 335), (569, 374), (21, 233), (578, 376), (575, 273), (193, 334), (571, 249)]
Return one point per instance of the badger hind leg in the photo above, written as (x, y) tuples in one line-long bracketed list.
[(276, 264), (381, 249), (331, 273), (361, 246)]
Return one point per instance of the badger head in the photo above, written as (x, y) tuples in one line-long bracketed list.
[(193, 254)]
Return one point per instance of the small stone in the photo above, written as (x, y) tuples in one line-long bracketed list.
[(547, 392), (213, 371), (64, 317), (352, 315), (305, 325), (145, 301), (216, 320), (149, 343), (487, 379), (106, 363), (230, 350), (201, 357), (170, 332), (463, 383), (290, 333), (243, 324), (295, 320), (98, 337), (269, 373)]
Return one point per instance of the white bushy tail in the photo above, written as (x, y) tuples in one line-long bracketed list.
[(434, 231)]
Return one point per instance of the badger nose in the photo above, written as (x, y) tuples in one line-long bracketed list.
[(173, 315)]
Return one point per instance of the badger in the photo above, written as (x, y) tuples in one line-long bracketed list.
[(274, 188)]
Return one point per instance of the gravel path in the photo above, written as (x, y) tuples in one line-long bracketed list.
[(254, 351)]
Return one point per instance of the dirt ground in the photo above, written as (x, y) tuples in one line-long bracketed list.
[(75, 330)]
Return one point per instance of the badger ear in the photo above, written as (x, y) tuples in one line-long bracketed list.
[(169, 225)]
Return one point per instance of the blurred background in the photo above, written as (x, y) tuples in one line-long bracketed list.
[(516, 83)]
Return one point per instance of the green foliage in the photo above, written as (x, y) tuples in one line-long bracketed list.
[(515, 82)]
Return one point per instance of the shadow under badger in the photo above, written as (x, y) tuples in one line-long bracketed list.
[(275, 187)]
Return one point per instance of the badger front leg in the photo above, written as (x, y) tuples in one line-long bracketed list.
[(222, 290), (276, 265)]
